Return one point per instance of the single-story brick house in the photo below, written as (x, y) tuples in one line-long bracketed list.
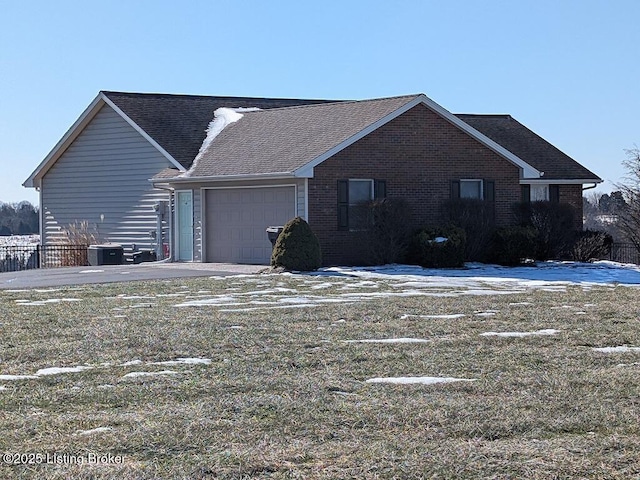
[(262, 166)]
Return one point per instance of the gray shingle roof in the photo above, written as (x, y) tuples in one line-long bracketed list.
[(178, 122), (529, 146), (285, 139)]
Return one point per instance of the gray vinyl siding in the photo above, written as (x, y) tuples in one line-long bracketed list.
[(199, 190), (105, 171)]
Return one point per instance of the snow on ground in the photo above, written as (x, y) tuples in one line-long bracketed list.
[(45, 302), (19, 240), (620, 349), (16, 377), (185, 361), (360, 284), (59, 370), (389, 340), (150, 374), (418, 380), (94, 430), (548, 331)]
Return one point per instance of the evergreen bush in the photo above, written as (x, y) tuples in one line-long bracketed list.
[(297, 247), (442, 247), (511, 245)]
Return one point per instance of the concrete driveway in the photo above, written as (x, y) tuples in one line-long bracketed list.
[(57, 277)]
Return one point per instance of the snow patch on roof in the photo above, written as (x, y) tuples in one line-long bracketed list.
[(222, 117)]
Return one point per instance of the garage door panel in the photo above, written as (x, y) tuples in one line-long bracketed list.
[(237, 220)]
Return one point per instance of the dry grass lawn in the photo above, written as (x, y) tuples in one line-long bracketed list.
[(279, 393)]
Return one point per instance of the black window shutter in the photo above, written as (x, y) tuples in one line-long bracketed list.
[(455, 189), (554, 193), (343, 204), (490, 190), (525, 193), (380, 189)]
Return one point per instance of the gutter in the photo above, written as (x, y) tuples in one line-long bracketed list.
[(225, 178)]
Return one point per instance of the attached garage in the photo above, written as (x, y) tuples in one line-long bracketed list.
[(237, 218)]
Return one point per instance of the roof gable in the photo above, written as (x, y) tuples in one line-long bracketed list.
[(292, 141), (174, 124), (533, 149), (178, 122)]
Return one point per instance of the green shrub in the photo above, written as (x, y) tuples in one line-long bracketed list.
[(297, 247), (590, 245), (511, 245), (438, 247)]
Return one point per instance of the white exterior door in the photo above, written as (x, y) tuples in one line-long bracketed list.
[(237, 219), (184, 222)]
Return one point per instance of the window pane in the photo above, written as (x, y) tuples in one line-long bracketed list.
[(360, 191), (539, 193), (470, 189)]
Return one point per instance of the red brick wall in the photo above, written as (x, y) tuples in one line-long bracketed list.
[(572, 195), (418, 154)]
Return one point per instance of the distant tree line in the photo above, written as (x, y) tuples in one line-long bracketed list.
[(618, 212), (19, 219)]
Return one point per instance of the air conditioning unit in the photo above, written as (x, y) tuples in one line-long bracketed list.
[(106, 254)]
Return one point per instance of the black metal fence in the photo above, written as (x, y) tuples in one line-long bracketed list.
[(26, 257)]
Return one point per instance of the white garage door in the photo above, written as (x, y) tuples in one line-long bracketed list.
[(237, 219)]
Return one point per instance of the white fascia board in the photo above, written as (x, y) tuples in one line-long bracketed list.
[(67, 139), (306, 171), (570, 181), (527, 170), (146, 136), (224, 178)]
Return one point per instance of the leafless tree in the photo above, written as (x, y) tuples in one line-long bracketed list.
[(629, 217)]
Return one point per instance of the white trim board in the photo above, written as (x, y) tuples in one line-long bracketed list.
[(76, 129), (527, 170)]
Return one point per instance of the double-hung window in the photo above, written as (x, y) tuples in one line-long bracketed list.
[(354, 201), (473, 188)]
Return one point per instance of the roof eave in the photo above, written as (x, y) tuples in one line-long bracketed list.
[(225, 178), (527, 171), (74, 131), (67, 139), (559, 181)]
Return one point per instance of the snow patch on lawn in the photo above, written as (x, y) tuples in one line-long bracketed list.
[(389, 340), (418, 380), (59, 370), (184, 361), (620, 349), (434, 317), (16, 377), (548, 331), (48, 301), (150, 374), (94, 431)]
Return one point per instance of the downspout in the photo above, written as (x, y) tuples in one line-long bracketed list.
[(589, 188)]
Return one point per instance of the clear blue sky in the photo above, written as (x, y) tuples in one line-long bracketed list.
[(568, 69)]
